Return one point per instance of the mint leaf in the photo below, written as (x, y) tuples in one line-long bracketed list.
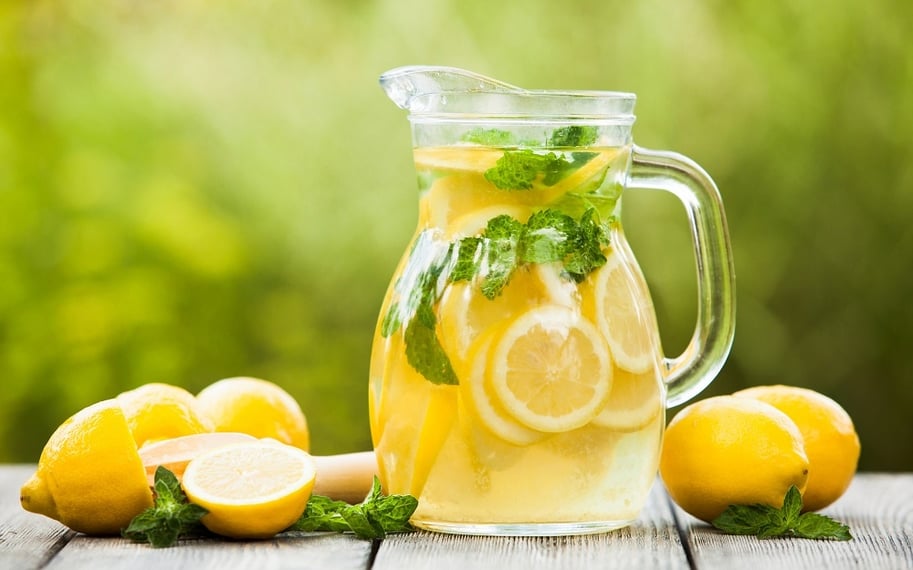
[(574, 135), (170, 517), (517, 169), (502, 235), (586, 245), (812, 525), (489, 137), (374, 517), (765, 521), (426, 355)]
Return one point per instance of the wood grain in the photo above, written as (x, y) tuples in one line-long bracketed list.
[(877, 507), (651, 542), (27, 540), (292, 550)]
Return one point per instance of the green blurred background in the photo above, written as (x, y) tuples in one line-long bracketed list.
[(194, 190)]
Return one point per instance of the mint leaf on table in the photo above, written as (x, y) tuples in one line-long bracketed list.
[(765, 521), (170, 517), (374, 517)]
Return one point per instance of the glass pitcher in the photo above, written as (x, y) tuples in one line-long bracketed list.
[(517, 382)]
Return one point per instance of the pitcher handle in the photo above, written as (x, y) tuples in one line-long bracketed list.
[(690, 372)]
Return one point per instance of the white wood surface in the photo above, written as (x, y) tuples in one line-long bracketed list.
[(878, 508)]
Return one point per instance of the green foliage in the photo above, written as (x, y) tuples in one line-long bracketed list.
[(192, 190), (765, 521), (171, 517)]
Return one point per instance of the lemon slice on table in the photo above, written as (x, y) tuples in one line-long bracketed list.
[(484, 406), (251, 490), (634, 401), (621, 311), (551, 369)]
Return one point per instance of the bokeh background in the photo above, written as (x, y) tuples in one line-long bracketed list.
[(192, 190)]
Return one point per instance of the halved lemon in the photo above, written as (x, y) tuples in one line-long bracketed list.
[(623, 313), (551, 369), (634, 401), (484, 406), (251, 490)]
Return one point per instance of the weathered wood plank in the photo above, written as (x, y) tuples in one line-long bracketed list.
[(651, 542), (877, 507), (316, 551), (26, 540)]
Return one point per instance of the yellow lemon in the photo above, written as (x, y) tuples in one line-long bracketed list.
[(90, 476), (251, 490), (634, 401), (728, 450), (551, 369), (161, 411), (830, 439), (256, 407)]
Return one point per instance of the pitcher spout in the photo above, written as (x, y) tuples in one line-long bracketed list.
[(406, 85)]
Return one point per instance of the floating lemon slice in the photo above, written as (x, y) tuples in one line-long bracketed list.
[(621, 310), (251, 490), (477, 394), (551, 369), (634, 401), (557, 290), (464, 313), (467, 158)]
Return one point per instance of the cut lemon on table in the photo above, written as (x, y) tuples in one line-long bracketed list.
[(174, 454), (483, 404), (634, 401), (620, 311), (551, 369), (251, 490), (89, 475)]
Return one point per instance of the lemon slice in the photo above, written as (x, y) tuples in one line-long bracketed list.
[(469, 158), (622, 314), (464, 313), (634, 401), (487, 409), (251, 490), (556, 289), (551, 369)]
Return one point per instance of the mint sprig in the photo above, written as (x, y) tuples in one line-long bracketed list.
[(170, 517), (765, 521), (374, 517), (518, 169)]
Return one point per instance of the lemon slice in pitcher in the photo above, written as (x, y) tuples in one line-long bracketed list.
[(483, 403), (620, 310), (551, 369), (635, 400)]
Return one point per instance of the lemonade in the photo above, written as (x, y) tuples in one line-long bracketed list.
[(516, 381)]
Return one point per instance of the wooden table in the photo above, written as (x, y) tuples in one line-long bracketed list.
[(877, 507)]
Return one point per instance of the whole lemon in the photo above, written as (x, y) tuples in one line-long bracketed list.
[(255, 407), (159, 411), (726, 450), (831, 441), (90, 476)]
